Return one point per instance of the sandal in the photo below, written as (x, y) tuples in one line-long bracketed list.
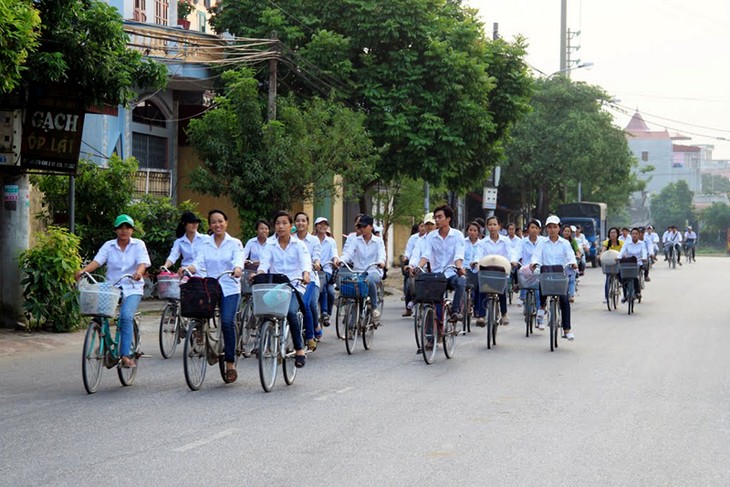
[(312, 344), (299, 361), (128, 363), (231, 376)]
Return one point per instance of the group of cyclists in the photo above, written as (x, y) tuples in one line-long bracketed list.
[(310, 260)]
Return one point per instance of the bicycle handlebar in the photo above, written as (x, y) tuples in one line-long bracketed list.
[(374, 264)]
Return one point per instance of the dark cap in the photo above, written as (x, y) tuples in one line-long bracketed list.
[(189, 217), (365, 220)]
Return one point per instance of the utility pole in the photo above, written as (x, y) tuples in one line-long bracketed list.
[(563, 36), (272, 80)]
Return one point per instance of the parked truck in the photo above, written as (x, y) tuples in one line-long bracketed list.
[(592, 218)]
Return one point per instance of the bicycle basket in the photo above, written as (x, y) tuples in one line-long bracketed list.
[(493, 281), (354, 286), (168, 286), (246, 282), (430, 287), (271, 299), (199, 297), (609, 268), (629, 268), (98, 299), (553, 284), (527, 278), (343, 274)]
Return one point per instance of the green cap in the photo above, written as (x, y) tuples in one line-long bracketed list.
[(122, 219)]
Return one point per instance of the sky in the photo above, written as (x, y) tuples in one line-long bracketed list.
[(667, 58)]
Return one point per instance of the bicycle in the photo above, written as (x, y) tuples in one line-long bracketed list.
[(554, 286), (614, 284), (173, 327), (431, 291), (672, 257), (357, 316), (689, 252), (100, 300), (530, 283), (468, 308), (246, 323), (629, 270), (203, 346), (338, 276), (493, 281), (272, 295)]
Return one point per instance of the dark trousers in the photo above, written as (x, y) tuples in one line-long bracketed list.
[(564, 310)]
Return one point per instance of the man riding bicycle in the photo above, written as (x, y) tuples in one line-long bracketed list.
[(690, 238), (444, 247), (672, 240)]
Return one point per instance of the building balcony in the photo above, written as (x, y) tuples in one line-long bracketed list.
[(153, 181)]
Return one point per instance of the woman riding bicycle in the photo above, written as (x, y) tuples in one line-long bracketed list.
[(529, 244), (219, 254), (493, 244), (329, 252), (312, 330), (611, 243), (633, 248), (471, 242), (123, 255), (255, 246), (568, 234), (188, 242), (289, 256)]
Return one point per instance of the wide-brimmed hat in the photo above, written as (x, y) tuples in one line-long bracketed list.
[(123, 219)]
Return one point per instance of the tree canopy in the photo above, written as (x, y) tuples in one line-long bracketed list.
[(437, 95), (264, 166), (565, 140), (672, 206), (19, 31)]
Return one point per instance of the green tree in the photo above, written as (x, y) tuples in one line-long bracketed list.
[(438, 96), (672, 206), (266, 166), (19, 31), (715, 184), (715, 221), (101, 194), (83, 46), (565, 140)]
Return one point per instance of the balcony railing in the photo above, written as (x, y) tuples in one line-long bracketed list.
[(153, 181), (174, 44)]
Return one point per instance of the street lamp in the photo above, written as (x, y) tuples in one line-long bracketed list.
[(586, 64)]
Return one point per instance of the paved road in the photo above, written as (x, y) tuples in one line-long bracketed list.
[(634, 400)]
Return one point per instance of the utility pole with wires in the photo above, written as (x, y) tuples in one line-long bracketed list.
[(272, 79)]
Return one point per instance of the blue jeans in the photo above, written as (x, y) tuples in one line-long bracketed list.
[(327, 295), (229, 306), (126, 322), (295, 327), (310, 309), (482, 304), (457, 284), (373, 280)]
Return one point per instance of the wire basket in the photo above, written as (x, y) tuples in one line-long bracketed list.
[(99, 299), (354, 286), (629, 270), (609, 268), (430, 287), (343, 274), (528, 280), (553, 284), (168, 286), (271, 299), (493, 282), (246, 281)]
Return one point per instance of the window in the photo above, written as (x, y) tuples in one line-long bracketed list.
[(149, 114), (140, 11), (201, 21), (161, 11), (150, 151), (645, 156)]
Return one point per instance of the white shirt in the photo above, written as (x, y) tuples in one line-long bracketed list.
[(672, 237), (528, 248), (119, 262), (362, 253), (627, 238), (253, 249), (291, 261), (516, 244), (441, 252), (631, 249), (548, 252), (583, 243), (470, 251), (649, 245), (410, 245), (183, 247), (349, 241), (690, 236), (213, 261), (653, 236), (502, 247), (329, 251), (417, 252), (314, 247)]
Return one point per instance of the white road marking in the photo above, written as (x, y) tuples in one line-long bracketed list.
[(196, 444), (346, 389)]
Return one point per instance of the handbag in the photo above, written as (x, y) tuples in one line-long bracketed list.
[(199, 297)]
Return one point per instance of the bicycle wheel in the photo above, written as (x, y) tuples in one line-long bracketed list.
[(368, 331), (268, 355), (553, 324), (381, 296), (491, 320), (287, 365), (195, 361), (529, 312), (467, 311), (630, 296), (127, 375), (417, 312), (510, 290), (449, 339), (248, 341), (93, 357), (340, 318), (616, 291), (351, 325), (429, 333), (168, 330), (495, 325)]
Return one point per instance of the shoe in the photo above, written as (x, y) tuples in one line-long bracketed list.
[(300, 361), (312, 344), (455, 317), (481, 322), (571, 299), (504, 321), (407, 312), (679, 263), (638, 296), (540, 317), (429, 346), (318, 334), (411, 304), (325, 319), (623, 300), (569, 335), (231, 376), (375, 313), (540, 325), (647, 279)]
